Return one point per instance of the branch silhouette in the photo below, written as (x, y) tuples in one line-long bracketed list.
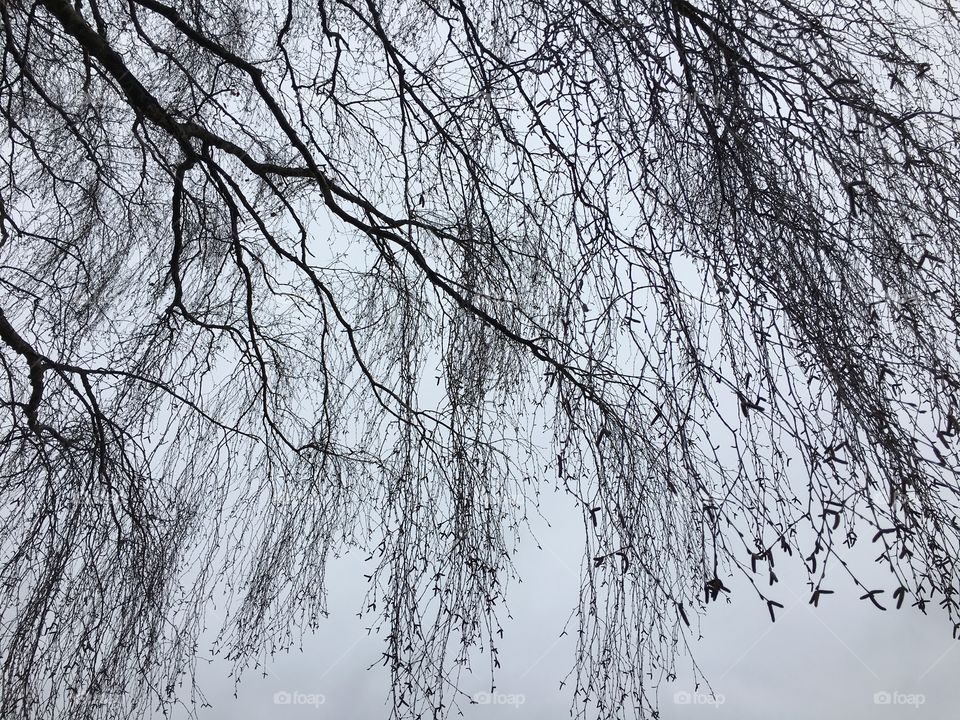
[(283, 280)]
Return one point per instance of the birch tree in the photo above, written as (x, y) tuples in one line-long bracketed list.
[(282, 280)]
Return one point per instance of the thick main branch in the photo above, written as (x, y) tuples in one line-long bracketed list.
[(36, 363)]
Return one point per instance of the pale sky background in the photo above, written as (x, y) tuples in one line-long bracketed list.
[(835, 661), (828, 662)]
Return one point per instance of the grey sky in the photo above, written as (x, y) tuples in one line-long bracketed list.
[(828, 662), (845, 659)]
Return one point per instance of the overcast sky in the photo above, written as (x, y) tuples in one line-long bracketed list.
[(843, 660)]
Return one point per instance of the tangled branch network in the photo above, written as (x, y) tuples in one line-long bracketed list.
[(279, 280)]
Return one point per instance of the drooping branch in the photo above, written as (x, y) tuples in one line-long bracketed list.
[(311, 276)]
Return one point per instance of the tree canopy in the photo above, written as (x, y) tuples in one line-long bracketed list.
[(282, 279)]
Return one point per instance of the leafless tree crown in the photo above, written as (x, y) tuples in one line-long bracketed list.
[(282, 279)]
